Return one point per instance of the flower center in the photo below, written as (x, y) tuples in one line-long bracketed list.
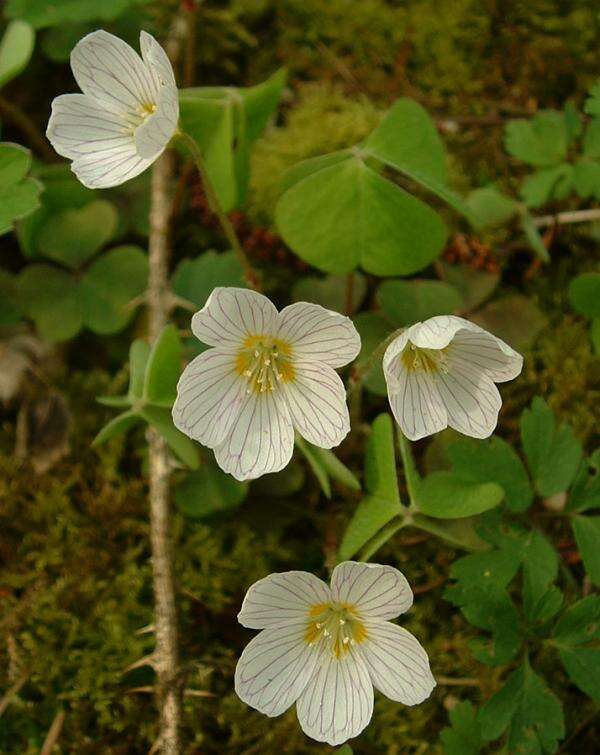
[(264, 361), (339, 625), (428, 360)]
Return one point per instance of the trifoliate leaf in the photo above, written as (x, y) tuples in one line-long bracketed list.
[(585, 491), (546, 184), (491, 207), (382, 500), (347, 215), (514, 318), (194, 280), (446, 495), (496, 461), (163, 368), (407, 302), (541, 141), (183, 447), (16, 47), (18, 194), (209, 491), (50, 297), (331, 291), (591, 140), (529, 713), (40, 13), (474, 286), (586, 178), (587, 535), (584, 294), (117, 426), (553, 453), (540, 567), (576, 636), (463, 737)]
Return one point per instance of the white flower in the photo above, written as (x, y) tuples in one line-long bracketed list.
[(126, 115), (441, 373), (325, 648), (268, 373)]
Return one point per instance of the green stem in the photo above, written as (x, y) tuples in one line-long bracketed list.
[(384, 534), (215, 206), (361, 372), (410, 470)]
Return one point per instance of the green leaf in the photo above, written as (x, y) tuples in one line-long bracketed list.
[(407, 302), (10, 312), (576, 636), (18, 194), (553, 453), (16, 48), (528, 711), (325, 465), (490, 207), (591, 141), (315, 464), (464, 736), (73, 236), (117, 426), (540, 567), (533, 237), (541, 141), (347, 215), (474, 286), (194, 280), (209, 491), (50, 297), (311, 165), (585, 492), (592, 104), (108, 287), (330, 291), (163, 368), (182, 446), (139, 354), (587, 535), (496, 461), (345, 750), (15, 162), (407, 139), (514, 318), (445, 495), (41, 13), (382, 500), (373, 329), (584, 294), (546, 184), (586, 178)]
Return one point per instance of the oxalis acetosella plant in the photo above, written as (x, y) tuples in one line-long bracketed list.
[(267, 381)]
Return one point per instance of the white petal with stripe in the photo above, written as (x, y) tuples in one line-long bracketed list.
[(231, 315), (337, 703), (286, 596), (274, 668), (416, 402), (397, 663), (316, 398), (471, 399), (210, 394), (318, 334), (378, 592), (484, 352), (261, 439)]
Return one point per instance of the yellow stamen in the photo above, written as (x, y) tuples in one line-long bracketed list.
[(264, 361), (338, 625)]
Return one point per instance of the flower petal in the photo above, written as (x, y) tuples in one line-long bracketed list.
[(484, 352), (78, 126), (156, 131), (156, 57), (316, 398), (437, 332), (282, 597), (101, 170), (231, 315), (415, 401), (398, 664), (210, 393), (274, 668), (318, 334), (378, 592), (471, 399), (261, 439), (337, 703), (108, 70)]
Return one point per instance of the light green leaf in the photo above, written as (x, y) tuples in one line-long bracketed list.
[(528, 711), (209, 491), (194, 280), (586, 178), (18, 194), (308, 451), (540, 567), (541, 141), (591, 141), (474, 286), (117, 426), (15, 162), (407, 302), (382, 500), (407, 139), (41, 13), (514, 318), (587, 535), (584, 294), (16, 48), (108, 287), (50, 297), (493, 460), (373, 329), (139, 354), (546, 184), (330, 292), (336, 469), (576, 636), (182, 446), (311, 165), (163, 368), (73, 236), (533, 237), (444, 495), (347, 215), (553, 453), (464, 736), (490, 207)]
